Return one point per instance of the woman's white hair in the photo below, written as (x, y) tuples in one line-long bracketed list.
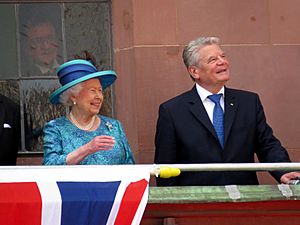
[(65, 99)]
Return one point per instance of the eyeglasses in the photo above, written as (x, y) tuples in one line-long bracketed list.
[(38, 42)]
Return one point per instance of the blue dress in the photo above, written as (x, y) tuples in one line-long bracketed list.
[(61, 137)]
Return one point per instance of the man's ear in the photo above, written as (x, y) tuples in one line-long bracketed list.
[(194, 72)]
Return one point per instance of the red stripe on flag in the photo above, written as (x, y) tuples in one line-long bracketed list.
[(130, 202), (20, 204)]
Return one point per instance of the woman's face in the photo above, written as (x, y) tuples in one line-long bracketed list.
[(90, 97)]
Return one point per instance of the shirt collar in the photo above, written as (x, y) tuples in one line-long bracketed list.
[(45, 69), (203, 93)]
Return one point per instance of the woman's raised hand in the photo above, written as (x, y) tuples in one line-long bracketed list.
[(102, 142)]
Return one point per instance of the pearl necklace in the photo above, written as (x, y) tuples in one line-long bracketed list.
[(86, 127)]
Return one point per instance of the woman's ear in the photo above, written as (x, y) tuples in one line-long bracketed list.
[(72, 99)]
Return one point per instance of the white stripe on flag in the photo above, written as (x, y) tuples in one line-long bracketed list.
[(140, 210), (116, 206), (51, 203)]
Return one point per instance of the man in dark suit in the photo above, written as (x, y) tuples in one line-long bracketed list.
[(9, 131), (185, 127)]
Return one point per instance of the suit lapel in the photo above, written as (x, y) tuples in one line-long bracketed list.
[(1, 115), (198, 110), (231, 105)]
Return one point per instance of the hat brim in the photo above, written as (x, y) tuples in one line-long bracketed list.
[(106, 77)]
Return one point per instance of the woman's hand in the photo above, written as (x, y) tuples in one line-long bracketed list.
[(102, 142), (99, 143)]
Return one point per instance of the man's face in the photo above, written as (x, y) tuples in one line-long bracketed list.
[(213, 68), (43, 44)]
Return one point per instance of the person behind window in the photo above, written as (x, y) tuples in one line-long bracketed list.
[(9, 131), (39, 39), (41, 54), (185, 131), (83, 136), (43, 47)]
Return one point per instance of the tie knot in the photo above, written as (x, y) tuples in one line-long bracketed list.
[(215, 98)]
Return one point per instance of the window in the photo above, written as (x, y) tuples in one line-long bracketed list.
[(35, 39)]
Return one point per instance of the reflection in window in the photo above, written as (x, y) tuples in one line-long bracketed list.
[(37, 38), (40, 28), (41, 39)]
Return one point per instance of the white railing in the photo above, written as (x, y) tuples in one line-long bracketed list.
[(171, 169), (157, 169)]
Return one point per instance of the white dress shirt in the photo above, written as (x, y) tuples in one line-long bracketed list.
[(208, 104)]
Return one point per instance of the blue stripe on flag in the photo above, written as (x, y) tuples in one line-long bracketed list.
[(87, 203)]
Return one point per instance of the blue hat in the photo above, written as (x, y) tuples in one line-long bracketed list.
[(77, 71)]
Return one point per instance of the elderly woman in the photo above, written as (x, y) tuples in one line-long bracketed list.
[(83, 136)]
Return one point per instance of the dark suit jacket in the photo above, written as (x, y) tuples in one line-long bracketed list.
[(185, 134), (9, 131)]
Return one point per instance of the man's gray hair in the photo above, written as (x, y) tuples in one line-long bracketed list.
[(64, 98), (190, 53)]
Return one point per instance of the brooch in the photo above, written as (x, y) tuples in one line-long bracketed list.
[(109, 126)]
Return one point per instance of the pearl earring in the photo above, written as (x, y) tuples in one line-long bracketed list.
[(74, 103)]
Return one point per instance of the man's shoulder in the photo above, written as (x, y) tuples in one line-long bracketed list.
[(240, 93), (8, 103), (179, 98)]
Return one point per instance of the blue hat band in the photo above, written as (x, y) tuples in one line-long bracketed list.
[(77, 71)]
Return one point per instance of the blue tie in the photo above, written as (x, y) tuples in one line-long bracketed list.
[(218, 117)]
